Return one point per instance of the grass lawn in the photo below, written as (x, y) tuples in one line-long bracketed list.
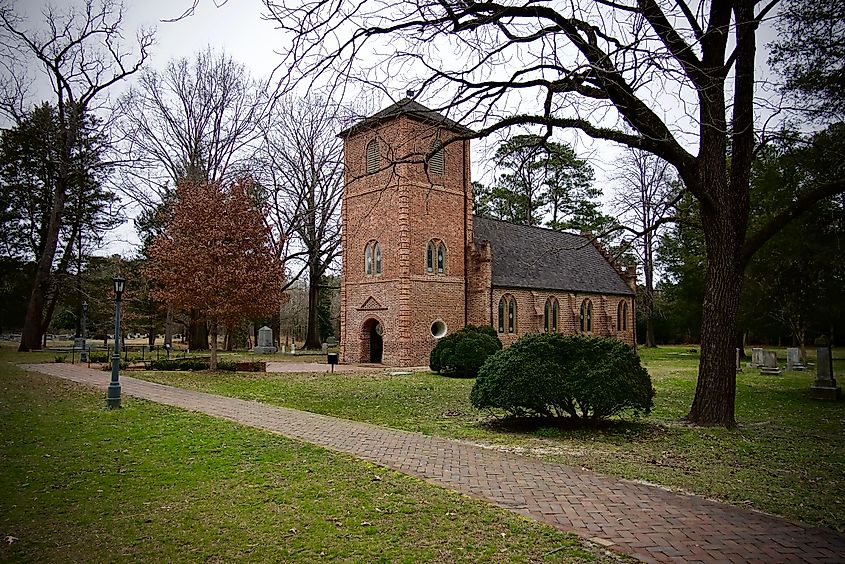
[(787, 457), (153, 483)]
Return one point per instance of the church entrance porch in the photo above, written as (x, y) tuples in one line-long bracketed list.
[(372, 342)]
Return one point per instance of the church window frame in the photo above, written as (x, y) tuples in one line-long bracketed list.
[(550, 312), (622, 316), (372, 258), (441, 258), (368, 259), (502, 315), (377, 253), (373, 156), (511, 315), (437, 162), (435, 257), (586, 317)]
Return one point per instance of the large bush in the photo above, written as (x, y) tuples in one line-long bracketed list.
[(552, 375), (463, 352)]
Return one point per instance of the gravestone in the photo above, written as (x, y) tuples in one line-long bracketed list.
[(793, 359), (325, 348), (824, 388), (756, 358), (265, 341), (738, 365), (770, 363)]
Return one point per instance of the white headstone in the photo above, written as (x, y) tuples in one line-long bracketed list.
[(793, 359), (756, 357)]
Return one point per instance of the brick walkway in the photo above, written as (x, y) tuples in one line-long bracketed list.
[(648, 522)]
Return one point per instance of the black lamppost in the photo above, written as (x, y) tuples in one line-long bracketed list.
[(113, 394)]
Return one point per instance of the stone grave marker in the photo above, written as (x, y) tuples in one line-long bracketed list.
[(825, 387), (770, 363), (793, 359), (738, 365), (756, 357), (265, 341)]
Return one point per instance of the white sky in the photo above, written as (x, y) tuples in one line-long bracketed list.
[(236, 26)]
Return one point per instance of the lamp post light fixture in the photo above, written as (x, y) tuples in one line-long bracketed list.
[(83, 354), (113, 394)]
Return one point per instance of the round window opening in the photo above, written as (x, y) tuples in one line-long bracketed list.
[(438, 329)]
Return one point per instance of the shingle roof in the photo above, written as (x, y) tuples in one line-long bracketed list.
[(537, 258), (410, 108)]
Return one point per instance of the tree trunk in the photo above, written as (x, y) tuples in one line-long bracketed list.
[(168, 326), (715, 391), (33, 324), (213, 364), (197, 333), (312, 338)]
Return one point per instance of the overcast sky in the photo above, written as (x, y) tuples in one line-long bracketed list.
[(236, 26)]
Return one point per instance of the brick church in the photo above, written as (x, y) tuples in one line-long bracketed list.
[(417, 264)]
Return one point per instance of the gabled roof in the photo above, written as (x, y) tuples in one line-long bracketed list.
[(410, 108), (543, 259)]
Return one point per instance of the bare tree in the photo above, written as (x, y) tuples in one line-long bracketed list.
[(196, 120), (670, 78), (646, 198), (302, 176), (81, 54)]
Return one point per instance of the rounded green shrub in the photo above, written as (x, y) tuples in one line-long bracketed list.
[(552, 375), (463, 352)]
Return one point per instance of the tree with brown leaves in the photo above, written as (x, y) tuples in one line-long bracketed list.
[(215, 256)]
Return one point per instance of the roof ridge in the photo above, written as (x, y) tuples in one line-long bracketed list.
[(540, 227)]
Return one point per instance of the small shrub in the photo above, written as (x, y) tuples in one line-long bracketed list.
[(463, 352), (179, 364), (552, 375), (60, 358), (99, 356)]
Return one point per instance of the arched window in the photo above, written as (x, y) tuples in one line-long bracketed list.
[(622, 316), (550, 316), (586, 316), (436, 164), (502, 315), (378, 258), (368, 259), (441, 258), (429, 257), (372, 156), (512, 315)]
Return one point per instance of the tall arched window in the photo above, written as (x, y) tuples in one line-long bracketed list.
[(437, 163), (441, 258), (372, 258), (378, 258), (586, 316), (372, 156), (512, 315), (622, 316), (502, 315), (429, 257), (550, 316)]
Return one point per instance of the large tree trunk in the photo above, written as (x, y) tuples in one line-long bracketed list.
[(33, 324), (715, 391), (312, 338), (197, 333)]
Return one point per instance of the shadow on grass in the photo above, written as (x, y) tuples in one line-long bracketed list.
[(569, 427)]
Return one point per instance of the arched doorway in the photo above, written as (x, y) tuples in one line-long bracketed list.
[(372, 341)]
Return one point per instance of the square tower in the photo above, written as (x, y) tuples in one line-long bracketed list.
[(407, 228)]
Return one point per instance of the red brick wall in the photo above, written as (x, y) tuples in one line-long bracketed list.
[(530, 308), (403, 207)]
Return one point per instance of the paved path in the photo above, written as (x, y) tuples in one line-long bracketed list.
[(645, 521)]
